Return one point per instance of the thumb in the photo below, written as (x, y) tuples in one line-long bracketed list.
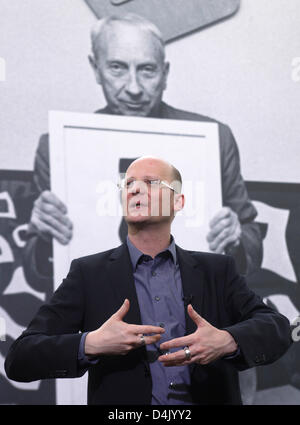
[(195, 316), (123, 310)]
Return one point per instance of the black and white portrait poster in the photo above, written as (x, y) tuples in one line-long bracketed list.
[(235, 63)]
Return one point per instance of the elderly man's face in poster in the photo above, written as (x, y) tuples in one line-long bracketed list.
[(130, 66)]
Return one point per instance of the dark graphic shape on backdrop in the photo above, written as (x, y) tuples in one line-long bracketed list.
[(19, 301), (175, 18), (267, 283)]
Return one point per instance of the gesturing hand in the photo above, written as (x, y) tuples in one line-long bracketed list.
[(118, 337), (206, 344)]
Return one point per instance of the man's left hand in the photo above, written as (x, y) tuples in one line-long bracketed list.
[(225, 230), (206, 344)]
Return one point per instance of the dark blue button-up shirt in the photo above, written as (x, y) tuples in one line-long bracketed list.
[(159, 291), (160, 297)]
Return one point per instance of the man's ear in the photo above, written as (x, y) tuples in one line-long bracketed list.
[(166, 74), (179, 201), (94, 66)]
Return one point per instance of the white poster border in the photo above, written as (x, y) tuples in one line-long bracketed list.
[(70, 391)]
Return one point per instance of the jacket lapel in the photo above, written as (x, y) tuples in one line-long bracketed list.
[(122, 282), (192, 278)]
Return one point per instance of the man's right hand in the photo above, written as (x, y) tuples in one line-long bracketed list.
[(118, 337), (50, 220)]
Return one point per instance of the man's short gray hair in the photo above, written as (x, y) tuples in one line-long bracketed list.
[(101, 25)]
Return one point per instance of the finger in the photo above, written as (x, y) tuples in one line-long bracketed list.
[(202, 361), (177, 357), (223, 213), (53, 211), (123, 310), (176, 342), (227, 233), (195, 316), (64, 230), (51, 198), (146, 329), (177, 363), (151, 339), (184, 363), (231, 238), (47, 232), (218, 228), (61, 224), (42, 207)]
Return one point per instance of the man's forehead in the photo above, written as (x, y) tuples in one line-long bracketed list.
[(154, 167), (129, 37)]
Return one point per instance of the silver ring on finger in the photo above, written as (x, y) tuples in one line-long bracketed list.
[(143, 342), (187, 352)]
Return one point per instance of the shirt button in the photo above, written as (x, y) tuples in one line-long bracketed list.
[(162, 325), (171, 385), (153, 273), (157, 298)]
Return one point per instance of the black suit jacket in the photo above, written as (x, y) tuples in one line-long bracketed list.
[(95, 288)]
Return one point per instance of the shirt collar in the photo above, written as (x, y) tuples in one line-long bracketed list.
[(135, 253)]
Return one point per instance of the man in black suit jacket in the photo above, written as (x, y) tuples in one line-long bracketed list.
[(213, 324)]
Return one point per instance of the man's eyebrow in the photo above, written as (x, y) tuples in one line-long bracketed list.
[(139, 66), (147, 63), (118, 61)]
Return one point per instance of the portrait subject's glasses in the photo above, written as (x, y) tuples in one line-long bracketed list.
[(128, 184)]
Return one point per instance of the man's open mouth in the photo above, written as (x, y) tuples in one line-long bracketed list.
[(137, 205)]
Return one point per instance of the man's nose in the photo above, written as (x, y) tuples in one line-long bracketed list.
[(138, 186), (133, 87)]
